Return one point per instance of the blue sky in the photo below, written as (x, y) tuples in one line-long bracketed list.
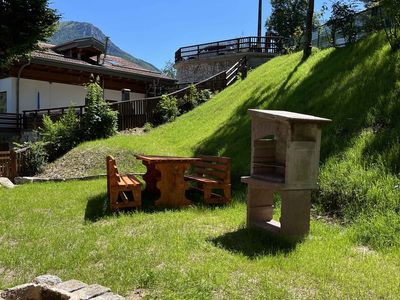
[(154, 29)]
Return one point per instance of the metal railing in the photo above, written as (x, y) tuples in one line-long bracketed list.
[(268, 44)]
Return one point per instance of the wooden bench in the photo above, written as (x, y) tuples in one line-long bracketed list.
[(212, 173), (124, 191)]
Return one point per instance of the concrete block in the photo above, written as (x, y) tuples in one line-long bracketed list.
[(295, 212), (71, 285), (91, 291)]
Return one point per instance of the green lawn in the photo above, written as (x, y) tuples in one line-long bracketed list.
[(195, 253)]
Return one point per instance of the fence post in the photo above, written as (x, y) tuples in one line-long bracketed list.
[(13, 165)]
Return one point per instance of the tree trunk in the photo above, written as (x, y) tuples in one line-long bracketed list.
[(309, 29)]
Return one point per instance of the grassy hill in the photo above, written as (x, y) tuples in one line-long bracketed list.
[(358, 87)]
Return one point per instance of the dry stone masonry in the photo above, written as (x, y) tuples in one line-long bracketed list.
[(51, 287)]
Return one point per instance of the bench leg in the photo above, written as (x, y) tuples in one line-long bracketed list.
[(227, 194), (113, 199), (137, 197), (207, 194)]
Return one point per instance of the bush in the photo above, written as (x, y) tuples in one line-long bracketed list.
[(190, 100), (62, 135), (36, 158), (205, 95), (99, 120), (147, 127), (168, 109)]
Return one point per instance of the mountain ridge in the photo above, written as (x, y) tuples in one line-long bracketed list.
[(70, 30)]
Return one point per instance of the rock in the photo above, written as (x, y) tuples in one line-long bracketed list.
[(5, 182), (50, 280), (23, 180), (137, 294), (25, 291)]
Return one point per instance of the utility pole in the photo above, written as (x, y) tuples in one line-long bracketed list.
[(259, 32)]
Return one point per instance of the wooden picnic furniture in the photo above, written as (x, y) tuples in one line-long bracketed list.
[(124, 191), (212, 173), (165, 175)]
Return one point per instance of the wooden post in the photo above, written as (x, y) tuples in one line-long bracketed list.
[(13, 165)]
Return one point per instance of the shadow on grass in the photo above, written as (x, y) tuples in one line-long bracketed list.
[(254, 243), (97, 207)]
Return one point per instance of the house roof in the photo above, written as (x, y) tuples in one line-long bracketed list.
[(113, 66)]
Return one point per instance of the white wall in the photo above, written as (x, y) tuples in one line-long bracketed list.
[(8, 85), (52, 95)]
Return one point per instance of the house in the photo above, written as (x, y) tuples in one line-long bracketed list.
[(55, 75)]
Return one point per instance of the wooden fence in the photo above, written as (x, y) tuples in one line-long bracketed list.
[(136, 113), (13, 163)]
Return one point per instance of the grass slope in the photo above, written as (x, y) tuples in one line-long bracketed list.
[(358, 87)]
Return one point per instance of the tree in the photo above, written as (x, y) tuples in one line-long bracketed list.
[(391, 20), (343, 20), (288, 17), (99, 120), (169, 69), (22, 24), (309, 29)]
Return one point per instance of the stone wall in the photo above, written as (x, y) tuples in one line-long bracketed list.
[(196, 70)]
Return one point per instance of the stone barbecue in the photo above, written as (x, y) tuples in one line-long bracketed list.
[(285, 161)]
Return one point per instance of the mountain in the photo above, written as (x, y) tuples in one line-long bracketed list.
[(71, 30)]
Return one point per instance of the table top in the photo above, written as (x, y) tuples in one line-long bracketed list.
[(166, 159)]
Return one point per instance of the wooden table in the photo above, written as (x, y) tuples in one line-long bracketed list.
[(165, 175)]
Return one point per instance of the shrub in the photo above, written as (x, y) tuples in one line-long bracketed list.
[(190, 100), (36, 158), (205, 95), (167, 108), (99, 120), (62, 135), (147, 127)]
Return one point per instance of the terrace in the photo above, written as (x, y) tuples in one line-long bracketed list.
[(270, 45)]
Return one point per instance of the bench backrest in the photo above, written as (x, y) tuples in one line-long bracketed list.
[(113, 176), (214, 167)]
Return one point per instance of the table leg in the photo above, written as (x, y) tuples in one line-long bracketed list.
[(172, 185), (151, 177)]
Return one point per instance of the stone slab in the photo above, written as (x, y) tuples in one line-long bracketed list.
[(47, 280), (71, 286), (109, 296), (25, 291), (5, 182), (91, 291)]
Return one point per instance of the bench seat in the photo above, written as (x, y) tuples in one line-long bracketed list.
[(212, 173)]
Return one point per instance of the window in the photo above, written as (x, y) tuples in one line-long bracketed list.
[(3, 102)]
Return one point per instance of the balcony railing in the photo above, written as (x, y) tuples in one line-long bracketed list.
[(10, 122), (268, 44)]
